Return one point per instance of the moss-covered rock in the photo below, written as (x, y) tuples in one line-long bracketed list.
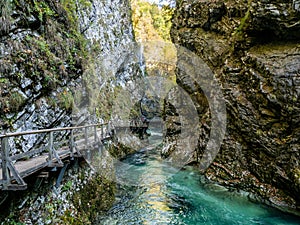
[(95, 197)]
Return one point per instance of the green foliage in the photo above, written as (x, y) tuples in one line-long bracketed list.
[(5, 16), (12, 103), (12, 220), (69, 219), (16, 100), (4, 80), (71, 7), (54, 54), (243, 23), (43, 47), (67, 186), (239, 32), (96, 196), (162, 20), (66, 100), (43, 10), (150, 21)]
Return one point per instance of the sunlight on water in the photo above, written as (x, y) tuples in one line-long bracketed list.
[(154, 193)]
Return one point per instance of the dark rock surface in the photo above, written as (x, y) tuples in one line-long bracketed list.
[(254, 50)]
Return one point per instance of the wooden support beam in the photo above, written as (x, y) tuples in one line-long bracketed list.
[(43, 174), (50, 147), (28, 154), (72, 144), (53, 154), (15, 174), (15, 187), (5, 155)]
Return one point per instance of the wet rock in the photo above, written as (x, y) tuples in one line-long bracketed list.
[(247, 49), (271, 20)]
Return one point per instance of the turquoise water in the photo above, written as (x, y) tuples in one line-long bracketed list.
[(152, 192)]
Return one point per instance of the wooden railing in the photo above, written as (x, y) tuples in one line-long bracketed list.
[(15, 167)]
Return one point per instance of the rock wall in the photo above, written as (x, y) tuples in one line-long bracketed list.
[(58, 61), (41, 56), (57, 57), (253, 49)]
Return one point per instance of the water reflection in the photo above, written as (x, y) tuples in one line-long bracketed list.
[(154, 197), (152, 193)]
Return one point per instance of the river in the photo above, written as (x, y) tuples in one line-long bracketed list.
[(152, 192)]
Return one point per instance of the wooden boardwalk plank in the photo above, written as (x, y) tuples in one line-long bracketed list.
[(24, 168), (32, 165)]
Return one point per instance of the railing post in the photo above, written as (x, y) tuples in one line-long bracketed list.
[(88, 151), (72, 144), (5, 155), (86, 137), (53, 154), (50, 146), (95, 133), (107, 129)]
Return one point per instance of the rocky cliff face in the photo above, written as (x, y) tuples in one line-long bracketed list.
[(54, 56), (57, 59), (253, 49), (41, 56)]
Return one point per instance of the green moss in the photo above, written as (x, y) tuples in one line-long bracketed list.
[(4, 81), (95, 197), (119, 150), (12, 103), (16, 100), (69, 219), (5, 16), (66, 100), (43, 10), (239, 33)]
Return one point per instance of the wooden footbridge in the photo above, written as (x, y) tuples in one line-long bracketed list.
[(77, 141)]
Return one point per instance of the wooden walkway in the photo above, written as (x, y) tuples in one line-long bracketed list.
[(79, 141)]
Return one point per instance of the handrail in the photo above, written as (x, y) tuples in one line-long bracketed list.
[(12, 179), (49, 130)]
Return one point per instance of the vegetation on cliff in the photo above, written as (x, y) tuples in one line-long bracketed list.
[(42, 49), (150, 22)]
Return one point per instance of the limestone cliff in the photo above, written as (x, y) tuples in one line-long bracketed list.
[(54, 55), (253, 49)]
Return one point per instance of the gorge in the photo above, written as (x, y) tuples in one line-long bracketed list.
[(74, 62)]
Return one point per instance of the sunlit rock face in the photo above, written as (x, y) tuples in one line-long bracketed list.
[(47, 50), (107, 26), (54, 55), (253, 49)]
